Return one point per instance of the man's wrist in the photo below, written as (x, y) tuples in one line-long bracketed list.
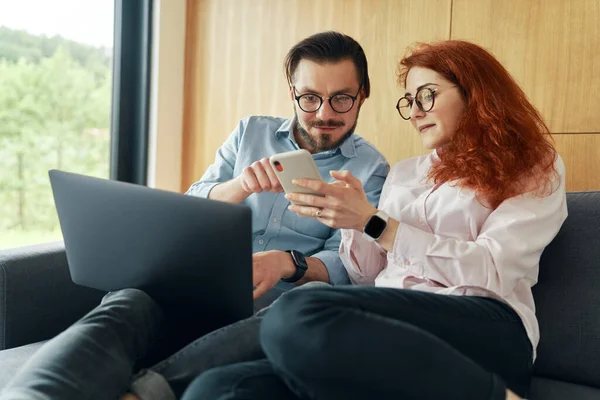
[(230, 191), (300, 266), (288, 267), (239, 187)]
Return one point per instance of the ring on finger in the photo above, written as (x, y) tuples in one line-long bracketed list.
[(319, 213)]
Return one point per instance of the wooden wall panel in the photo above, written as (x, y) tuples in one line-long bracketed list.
[(550, 47), (235, 51), (581, 153)]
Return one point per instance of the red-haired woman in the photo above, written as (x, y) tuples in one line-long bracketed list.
[(452, 251)]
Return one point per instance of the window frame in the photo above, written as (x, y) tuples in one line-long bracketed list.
[(130, 115)]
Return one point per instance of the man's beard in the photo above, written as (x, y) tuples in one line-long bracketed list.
[(323, 142)]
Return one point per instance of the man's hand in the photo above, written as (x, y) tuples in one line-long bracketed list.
[(268, 267), (259, 177)]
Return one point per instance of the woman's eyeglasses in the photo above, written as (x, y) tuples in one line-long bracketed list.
[(425, 99)]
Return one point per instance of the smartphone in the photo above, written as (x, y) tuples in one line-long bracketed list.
[(295, 165)]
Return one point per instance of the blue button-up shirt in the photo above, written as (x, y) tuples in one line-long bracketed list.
[(274, 227)]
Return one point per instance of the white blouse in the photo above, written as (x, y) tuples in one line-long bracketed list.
[(449, 243)]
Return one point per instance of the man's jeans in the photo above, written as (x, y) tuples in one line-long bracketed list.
[(97, 356)]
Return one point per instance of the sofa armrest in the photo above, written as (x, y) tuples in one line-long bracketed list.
[(37, 297)]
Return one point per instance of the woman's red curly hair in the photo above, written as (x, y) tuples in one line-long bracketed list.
[(502, 147)]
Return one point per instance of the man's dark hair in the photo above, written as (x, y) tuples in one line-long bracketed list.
[(329, 47)]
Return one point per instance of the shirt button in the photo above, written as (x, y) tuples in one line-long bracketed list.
[(261, 241), (275, 220), (406, 262)]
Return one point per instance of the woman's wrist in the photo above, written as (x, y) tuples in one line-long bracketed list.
[(388, 237), (365, 218)]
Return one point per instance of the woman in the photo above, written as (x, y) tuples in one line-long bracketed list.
[(453, 252)]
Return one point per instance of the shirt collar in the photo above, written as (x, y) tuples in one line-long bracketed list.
[(348, 148), (286, 129)]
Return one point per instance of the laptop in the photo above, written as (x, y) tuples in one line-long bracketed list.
[(189, 254)]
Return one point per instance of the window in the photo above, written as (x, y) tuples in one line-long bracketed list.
[(58, 106)]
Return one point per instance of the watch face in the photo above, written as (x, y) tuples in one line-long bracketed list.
[(301, 266), (299, 259), (375, 226)]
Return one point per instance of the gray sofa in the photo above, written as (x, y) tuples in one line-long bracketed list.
[(38, 300)]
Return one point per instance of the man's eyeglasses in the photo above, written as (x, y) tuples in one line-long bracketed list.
[(340, 103)]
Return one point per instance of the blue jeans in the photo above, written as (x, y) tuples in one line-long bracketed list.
[(379, 343), (97, 357)]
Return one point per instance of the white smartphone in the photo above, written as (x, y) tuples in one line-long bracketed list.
[(295, 165)]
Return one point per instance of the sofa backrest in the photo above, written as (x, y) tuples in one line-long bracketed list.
[(567, 296)]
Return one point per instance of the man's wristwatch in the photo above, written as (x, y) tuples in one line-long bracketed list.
[(375, 226), (300, 263)]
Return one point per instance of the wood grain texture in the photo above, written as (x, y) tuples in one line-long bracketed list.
[(234, 66), (581, 154), (549, 46)]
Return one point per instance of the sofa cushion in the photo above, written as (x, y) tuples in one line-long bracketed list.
[(13, 359), (37, 297), (567, 297)]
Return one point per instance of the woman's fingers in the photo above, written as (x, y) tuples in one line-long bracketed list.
[(312, 184), (309, 199), (340, 184), (344, 180), (347, 177), (307, 211)]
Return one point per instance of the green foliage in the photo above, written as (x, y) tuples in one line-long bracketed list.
[(18, 45), (54, 113)]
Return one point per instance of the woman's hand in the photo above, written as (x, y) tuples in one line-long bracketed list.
[(345, 204)]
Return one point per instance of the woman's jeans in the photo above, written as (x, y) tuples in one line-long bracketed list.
[(379, 343)]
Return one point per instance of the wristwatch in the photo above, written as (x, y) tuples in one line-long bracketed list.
[(300, 263), (375, 226)]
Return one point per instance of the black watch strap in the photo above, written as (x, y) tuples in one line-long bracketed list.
[(300, 263)]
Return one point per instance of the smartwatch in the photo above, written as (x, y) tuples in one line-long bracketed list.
[(300, 263), (375, 226)]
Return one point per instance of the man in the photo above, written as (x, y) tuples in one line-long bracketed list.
[(328, 79), (328, 82)]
